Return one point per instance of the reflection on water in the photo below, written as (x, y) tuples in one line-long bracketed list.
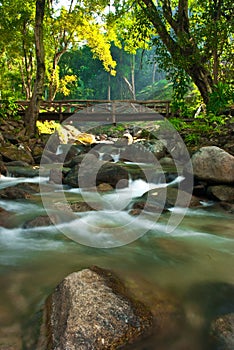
[(161, 269)]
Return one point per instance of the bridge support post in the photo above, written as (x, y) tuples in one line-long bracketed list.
[(60, 113), (167, 109), (113, 113)]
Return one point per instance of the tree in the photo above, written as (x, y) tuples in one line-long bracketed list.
[(16, 47), (32, 112), (194, 33), (90, 73), (69, 28)]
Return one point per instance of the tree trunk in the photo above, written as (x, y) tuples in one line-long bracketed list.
[(184, 45), (130, 87), (216, 17), (154, 72), (133, 77), (53, 86), (202, 79), (31, 114)]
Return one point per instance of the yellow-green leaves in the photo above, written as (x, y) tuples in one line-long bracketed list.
[(65, 84)]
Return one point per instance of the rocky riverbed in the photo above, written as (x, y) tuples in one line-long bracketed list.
[(149, 178)]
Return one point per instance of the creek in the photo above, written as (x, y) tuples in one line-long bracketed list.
[(174, 272)]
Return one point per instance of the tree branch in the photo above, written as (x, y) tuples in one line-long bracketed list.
[(152, 13), (168, 15), (183, 19)]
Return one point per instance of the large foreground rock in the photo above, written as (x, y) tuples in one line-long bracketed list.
[(222, 332), (90, 309), (213, 164), (212, 304)]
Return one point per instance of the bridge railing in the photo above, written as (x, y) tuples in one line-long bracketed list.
[(88, 109)]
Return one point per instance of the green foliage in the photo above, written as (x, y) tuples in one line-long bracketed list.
[(209, 122), (64, 29), (17, 62), (108, 31), (178, 123), (192, 139), (203, 125), (160, 90), (109, 130), (8, 109), (181, 84), (220, 98), (191, 36), (92, 81), (69, 29)]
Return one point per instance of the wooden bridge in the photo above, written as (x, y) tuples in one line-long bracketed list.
[(112, 111)]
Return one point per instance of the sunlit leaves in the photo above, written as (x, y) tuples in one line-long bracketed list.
[(132, 27), (65, 84), (16, 45), (73, 27)]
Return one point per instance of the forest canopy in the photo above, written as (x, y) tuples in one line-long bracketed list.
[(102, 49)]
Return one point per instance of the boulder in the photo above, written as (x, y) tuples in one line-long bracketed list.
[(166, 161), (213, 305), (137, 153), (91, 309), (223, 193), (229, 146), (3, 169), (12, 152), (20, 191), (70, 134), (42, 220), (63, 214), (56, 176), (2, 141), (37, 153), (213, 164), (113, 174), (77, 207), (7, 219), (104, 187), (157, 147), (22, 170), (228, 207), (93, 172), (75, 161), (83, 206), (162, 199), (14, 193), (72, 152), (71, 178), (222, 332), (19, 163), (67, 133)]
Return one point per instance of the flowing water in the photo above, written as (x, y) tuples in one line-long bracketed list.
[(176, 273)]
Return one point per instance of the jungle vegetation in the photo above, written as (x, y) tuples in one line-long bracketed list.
[(125, 49)]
